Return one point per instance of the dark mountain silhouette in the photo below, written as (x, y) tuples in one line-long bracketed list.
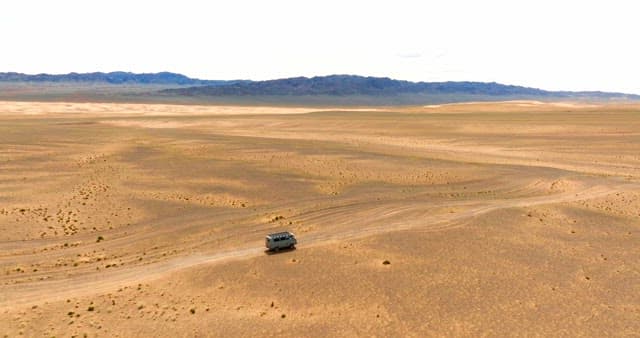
[(162, 78), (346, 85), (319, 90)]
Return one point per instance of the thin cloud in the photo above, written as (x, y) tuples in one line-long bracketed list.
[(410, 55)]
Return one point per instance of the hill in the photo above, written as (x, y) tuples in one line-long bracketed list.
[(162, 78), (342, 86), (352, 85)]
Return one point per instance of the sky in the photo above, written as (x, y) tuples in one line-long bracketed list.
[(554, 45)]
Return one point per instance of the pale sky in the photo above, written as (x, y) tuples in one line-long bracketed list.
[(556, 45)]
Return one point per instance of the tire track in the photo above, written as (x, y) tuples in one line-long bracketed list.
[(385, 218)]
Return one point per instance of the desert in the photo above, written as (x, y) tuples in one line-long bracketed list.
[(474, 219)]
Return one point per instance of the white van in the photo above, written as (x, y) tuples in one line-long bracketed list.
[(280, 240)]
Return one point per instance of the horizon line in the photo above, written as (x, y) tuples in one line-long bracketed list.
[(317, 76)]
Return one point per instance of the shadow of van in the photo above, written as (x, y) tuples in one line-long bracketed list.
[(279, 251)]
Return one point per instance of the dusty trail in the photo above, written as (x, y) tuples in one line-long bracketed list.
[(436, 148), (384, 218)]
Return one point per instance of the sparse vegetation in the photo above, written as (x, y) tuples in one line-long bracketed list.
[(277, 218)]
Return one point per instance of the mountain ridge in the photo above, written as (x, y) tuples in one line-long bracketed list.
[(117, 78), (345, 85), (318, 90)]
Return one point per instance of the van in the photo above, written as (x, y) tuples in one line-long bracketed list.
[(280, 240)]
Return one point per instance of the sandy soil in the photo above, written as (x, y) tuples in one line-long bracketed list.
[(486, 219)]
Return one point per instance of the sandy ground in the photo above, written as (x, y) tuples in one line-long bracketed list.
[(493, 219)]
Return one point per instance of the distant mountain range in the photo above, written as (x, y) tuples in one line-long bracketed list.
[(341, 85), (117, 78), (333, 89), (345, 85)]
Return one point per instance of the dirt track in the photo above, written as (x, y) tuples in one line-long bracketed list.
[(390, 217), (97, 200)]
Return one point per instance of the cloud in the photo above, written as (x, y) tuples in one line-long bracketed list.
[(409, 55)]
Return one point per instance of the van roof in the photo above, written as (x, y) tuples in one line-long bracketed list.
[(280, 234)]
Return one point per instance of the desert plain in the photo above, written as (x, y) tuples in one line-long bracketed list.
[(483, 219)]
